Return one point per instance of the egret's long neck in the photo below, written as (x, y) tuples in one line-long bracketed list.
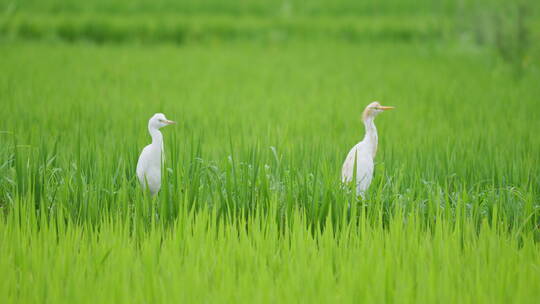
[(371, 138), (157, 137)]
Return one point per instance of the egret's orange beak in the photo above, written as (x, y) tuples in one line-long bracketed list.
[(386, 108), (169, 122)]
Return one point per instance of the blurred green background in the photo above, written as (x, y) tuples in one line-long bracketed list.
[(511, 28)]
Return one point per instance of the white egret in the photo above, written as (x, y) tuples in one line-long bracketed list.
[(149, 164), (365, 151)]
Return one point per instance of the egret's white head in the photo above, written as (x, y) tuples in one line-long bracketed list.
[(159, 121), (373, 109)]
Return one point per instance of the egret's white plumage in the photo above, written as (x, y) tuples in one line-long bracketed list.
[(364, 151), (149, 164)]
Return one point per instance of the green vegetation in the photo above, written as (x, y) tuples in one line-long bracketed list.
[(252, 209)]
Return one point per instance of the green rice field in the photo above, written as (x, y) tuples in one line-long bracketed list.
[(252, 209)]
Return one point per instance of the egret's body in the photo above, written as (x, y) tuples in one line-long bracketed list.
[(149, 164), (363, 154)]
